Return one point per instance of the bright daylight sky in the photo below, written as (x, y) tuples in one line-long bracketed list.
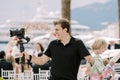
[(26, 9)]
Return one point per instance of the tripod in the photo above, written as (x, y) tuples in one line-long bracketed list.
[(20, 42)]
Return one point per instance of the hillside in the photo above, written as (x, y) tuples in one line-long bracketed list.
[(94, 15)]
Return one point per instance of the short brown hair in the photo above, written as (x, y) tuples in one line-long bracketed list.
[(64, 24)]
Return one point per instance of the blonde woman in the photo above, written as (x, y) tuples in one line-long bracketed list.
[(11, 48), (15, 65), (99, 71)]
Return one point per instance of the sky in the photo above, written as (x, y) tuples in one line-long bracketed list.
[(17, 10)]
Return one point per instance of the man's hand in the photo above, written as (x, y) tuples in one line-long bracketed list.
[(90, 59)]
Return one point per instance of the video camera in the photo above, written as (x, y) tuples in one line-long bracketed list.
[(19, 33)]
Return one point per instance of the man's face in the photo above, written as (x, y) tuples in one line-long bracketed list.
[(59, 31)]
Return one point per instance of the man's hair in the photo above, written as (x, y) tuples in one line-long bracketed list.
[(64, 24), (2, 54)]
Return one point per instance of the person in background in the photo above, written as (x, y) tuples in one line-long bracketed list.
[(113, 45), (99, 71), (12, 45), (38, 49), (4, 64), (16, 66), (65, 52), (12, 48), (38, 52)]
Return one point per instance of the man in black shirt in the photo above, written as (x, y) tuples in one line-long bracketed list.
[(66, 53)]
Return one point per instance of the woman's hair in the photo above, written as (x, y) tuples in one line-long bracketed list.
[(41, 46), (11, 43), (64, 24), (11, 59), (98, 44)]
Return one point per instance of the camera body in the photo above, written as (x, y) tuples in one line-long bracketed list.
[(19, 33)]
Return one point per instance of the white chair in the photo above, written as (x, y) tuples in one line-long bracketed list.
[(117, 68), (36, 76), (44, 74), (8, 74), (84, 78), (81, 73), (26, 75)]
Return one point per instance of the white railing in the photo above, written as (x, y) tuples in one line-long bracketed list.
[(26, 75), (84, 78), (116, 69), (8, 74), (44, 74)]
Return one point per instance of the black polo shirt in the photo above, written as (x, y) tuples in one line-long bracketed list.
[(66, 59)]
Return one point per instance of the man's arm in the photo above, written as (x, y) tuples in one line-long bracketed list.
[(90, 59), (38, 60)]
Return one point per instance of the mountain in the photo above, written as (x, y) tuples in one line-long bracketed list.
[(94, 15)]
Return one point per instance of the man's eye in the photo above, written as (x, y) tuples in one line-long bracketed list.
[(57, 30)]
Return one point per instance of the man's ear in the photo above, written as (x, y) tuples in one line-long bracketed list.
[(65, 29)]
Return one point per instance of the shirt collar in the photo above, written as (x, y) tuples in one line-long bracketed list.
[(72, 39)]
